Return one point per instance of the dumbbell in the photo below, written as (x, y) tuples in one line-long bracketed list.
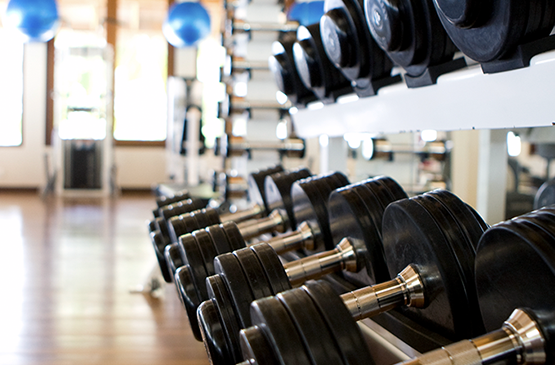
[(355, 209), (158, 228), (193, 257), (351, 48), (315, 69), (410, 33), (490, 31), (514, 275), (285, 73), (229, 146), (433, 233)]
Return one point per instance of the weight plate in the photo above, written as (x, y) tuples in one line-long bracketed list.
[(543, 221), (210, 216), (374, 206), (273, 268), (324, 187), (152, 226), (207, 250), (173, 258), (163, 228), (166, 200), (308, 207), (411, 236), (349, 217), (394, 188), (188, 292), (253, 272), (228, 267), (213, 334), (272, 318), (341, 179), (464, 253), (195, 261), (545, 195), (184, 224), (380, 192), (514, 268), (219, 238), (256, 348), (318, 341), (159, 243), (236, 241), (255, 182), (217, 291), (340, 323)]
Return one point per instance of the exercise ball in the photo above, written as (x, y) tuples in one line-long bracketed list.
[(186, 24), (306, 13), (36, 20)]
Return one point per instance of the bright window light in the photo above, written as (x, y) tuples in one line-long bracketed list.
[(514, 145), (11, 90), (239, 127), (240, 89), (324, 140), (428, 135), (315, 105), (281, 130), (281, 97), (368, 148)]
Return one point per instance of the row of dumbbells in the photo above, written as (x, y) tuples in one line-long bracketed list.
[(357, 42), (429, 274)]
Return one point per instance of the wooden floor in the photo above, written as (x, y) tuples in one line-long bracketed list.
[(66, 270)]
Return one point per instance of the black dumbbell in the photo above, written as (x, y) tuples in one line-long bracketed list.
[(351, 48), (410, 33), (316, 71), (158, 228), (355, 209), (285, 72), (433, 234), (514, 275), (490, 31), (193, 257)]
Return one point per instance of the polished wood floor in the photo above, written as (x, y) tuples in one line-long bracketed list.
[(67, 267)]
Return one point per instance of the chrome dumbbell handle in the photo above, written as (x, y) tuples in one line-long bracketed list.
[(302, 237), (277, 221), (242, 215), (519, 341)]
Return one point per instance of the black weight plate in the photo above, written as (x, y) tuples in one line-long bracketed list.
[(374, 206), (196, 262), (159, 243), (324, 187), (545, 195), (308, 207), (236, 241), (256, 348), (228, 267), (272, 318), (278, 191), (340, 323), (350, 218), (340, 179), (166, 200), (394, 188), (207, 250), (176, 228), (317, 339), (543, 220), (173, 257), (380, 192), (472, 224), (163, 228), (218, 291), (207, 217), (411, 236), (515, 267), (273, 268), (253, 272), (189, 294), (152, 226), (183, 224), (464, 253), (255, 182), (219, 238), (213, 334)]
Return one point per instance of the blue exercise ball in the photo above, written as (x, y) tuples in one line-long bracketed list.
[(306, 13), (37, 20), (186, 24)]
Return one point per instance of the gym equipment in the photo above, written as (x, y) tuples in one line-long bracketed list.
[(193, 257), (230, 146), (515, 267), (285, 73), (410, 33), (350, 47), (500, 34), (315, 69)]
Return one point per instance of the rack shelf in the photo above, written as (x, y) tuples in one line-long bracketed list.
[(462, 100)]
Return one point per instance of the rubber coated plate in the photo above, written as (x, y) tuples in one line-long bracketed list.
[(464, 253), (545, 195), (272, 267), (152, 226), (256, 347), (272, 318), (188, 292), (207, 249), (236, 241), (255, 183), (345, 331), (213, 334), (221, 298), (324, 187), (317, 339), (165, 200), (350, 218), (303, 208), (374, 206), (380, 191), (253, 272), (196, 262), (515, 267), (210, 217), (394, 188), (228, 267), (163, 228), (158, 242), (411, 236), (219, 238), (187, 224), (173, 257), (341, 179)]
